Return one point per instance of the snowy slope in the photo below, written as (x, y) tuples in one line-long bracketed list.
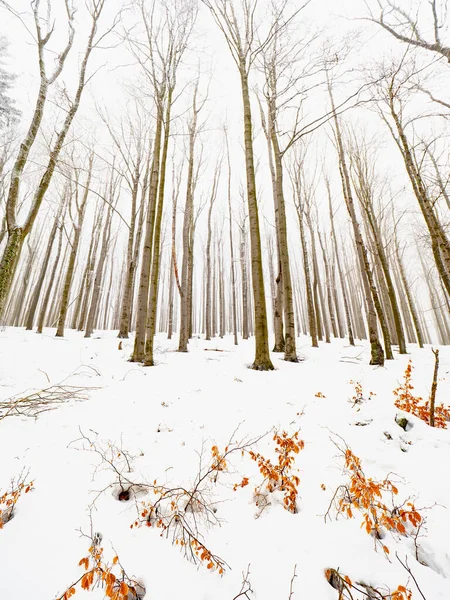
[(165, 416)]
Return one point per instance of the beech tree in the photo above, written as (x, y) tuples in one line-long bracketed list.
[(238, 29), (364, 182), (187, 266), (393, 94), (371, 295), (159, 54), (301, 192), (44, 30), (78, 196), (130, 140)]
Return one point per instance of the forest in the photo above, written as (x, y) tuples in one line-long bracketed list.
[(224, 299)]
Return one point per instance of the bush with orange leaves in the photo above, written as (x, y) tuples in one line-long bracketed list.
[(110, 576), (415, 405), (278, 476), (181, 513), (344, 585), (8, 500), (358, 395), (176, 512), (401, 593), (369, 497)]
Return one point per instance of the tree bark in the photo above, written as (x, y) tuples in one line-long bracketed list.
[(262, 361), (144, 280)]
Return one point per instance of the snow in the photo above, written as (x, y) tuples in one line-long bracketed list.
[(168, 417)]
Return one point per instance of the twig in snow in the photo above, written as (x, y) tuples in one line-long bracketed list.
[(407, 568), (42, 401), (291, 587), (246, 587)]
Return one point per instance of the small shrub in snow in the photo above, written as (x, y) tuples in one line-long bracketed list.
[(177, 512), (344, 585), (359, 396), (9, 500), (182, 513), (370, 498), (279, 476), (111, 576), (415, 405), (219, 462), (401, 593)]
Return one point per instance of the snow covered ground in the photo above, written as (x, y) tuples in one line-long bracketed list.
[(167, 419)]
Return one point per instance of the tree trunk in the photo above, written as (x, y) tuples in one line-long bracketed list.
[(41, 278), (340, 272), (144, 280), (309, 293), (156, 256), (81, 209), (262, 361), (44, 305), (99, 273)]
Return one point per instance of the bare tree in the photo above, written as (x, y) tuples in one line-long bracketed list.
[(99, 274), (393, 91), (188, 224), (159, 55), (17, 233), (45, 263), (405, 26), (78, 201), (339, 267), (130, 142), (240, 36), (302, 190), (364, 181), (373, 303)]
